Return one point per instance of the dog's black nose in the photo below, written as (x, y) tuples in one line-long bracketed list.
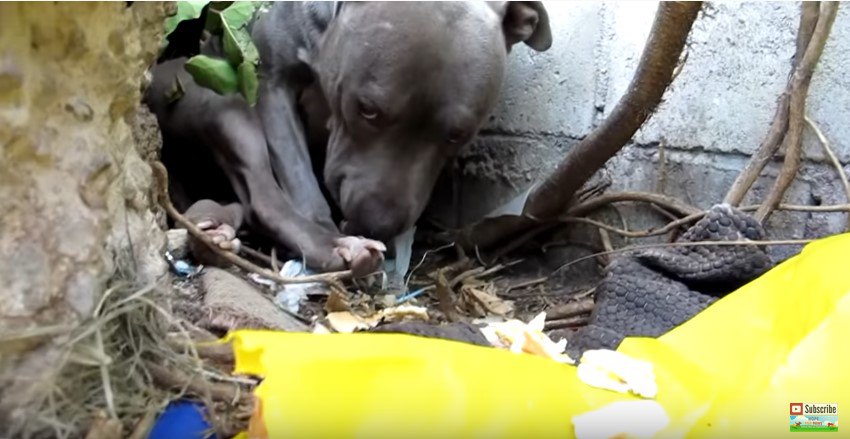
[(377, 219)]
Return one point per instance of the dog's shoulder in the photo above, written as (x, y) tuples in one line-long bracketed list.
[(289, 29)]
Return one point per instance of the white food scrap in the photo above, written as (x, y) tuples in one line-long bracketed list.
[(621, 419), (526, 337), (616, 371)]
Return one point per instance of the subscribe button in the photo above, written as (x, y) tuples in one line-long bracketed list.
[(814, 417)]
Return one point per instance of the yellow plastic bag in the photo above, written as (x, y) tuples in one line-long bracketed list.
[(731, 371)]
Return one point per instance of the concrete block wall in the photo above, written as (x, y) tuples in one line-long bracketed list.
[(713, 117)]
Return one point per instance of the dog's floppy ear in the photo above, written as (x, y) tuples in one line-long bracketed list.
[(525, 22)]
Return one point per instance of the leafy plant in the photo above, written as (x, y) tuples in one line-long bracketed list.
[(237, 71), (186, 10)]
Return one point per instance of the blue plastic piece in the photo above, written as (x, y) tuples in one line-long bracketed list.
[(182, 420), (411, 295)]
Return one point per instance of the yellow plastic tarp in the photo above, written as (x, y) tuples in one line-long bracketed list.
[(731, 371)]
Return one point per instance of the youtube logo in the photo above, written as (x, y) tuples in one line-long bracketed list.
[(796, 408)]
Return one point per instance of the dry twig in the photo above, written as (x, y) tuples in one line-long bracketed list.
[(771, 143), (606, 244), (571, 309), (797, 107), (686, 244), (447, 301), (832, 158), (570, 322), (525, 284), (480, 272), (174, 379), (668, 203), (161, 176)]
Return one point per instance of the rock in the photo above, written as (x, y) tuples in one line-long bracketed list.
[(177, 243), (231, 303), (75, 190)]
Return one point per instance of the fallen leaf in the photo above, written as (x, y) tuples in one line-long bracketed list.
[(481, 303), (346, 322), (446, 298), (639, 419), (612, 370), (401, 312), (337, 302)]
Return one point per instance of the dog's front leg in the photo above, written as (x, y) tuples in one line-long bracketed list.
[(288, 150), (290, 159)]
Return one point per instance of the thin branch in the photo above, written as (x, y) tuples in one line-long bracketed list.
[(162, 178), (669, 227), (771, 143), (673, 225), (797, 109), (686, 244), (256, 254), (639, 233), (525, 284), (804, 208), (521, 240), (570, 322), (480, 272), (571, 309), (827, 148), (666, 202), (605, 238), (174, 379)]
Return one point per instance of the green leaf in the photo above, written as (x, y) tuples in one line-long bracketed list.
[(248, 82), (213, 23), (213, 73), (186, 10), (238, 14), (238, 45), (220, 6), (232, 51)]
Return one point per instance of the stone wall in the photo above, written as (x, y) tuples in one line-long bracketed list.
[(74, 189), (715, 114)]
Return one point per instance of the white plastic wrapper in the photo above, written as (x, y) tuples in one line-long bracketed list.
[(289, 297), (396, 269)]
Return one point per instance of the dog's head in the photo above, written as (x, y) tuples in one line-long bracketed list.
[(408, 85)]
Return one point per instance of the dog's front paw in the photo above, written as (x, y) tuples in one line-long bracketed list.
[(363, 256), (222, 235)]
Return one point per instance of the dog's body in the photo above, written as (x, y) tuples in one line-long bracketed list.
[(375, 97)]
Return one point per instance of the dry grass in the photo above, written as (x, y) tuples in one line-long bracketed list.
[(105, 367)]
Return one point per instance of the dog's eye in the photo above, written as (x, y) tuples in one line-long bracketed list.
[(367, 110), (456, 135)]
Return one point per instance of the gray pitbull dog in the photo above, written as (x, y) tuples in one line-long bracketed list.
[(375, 97)]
